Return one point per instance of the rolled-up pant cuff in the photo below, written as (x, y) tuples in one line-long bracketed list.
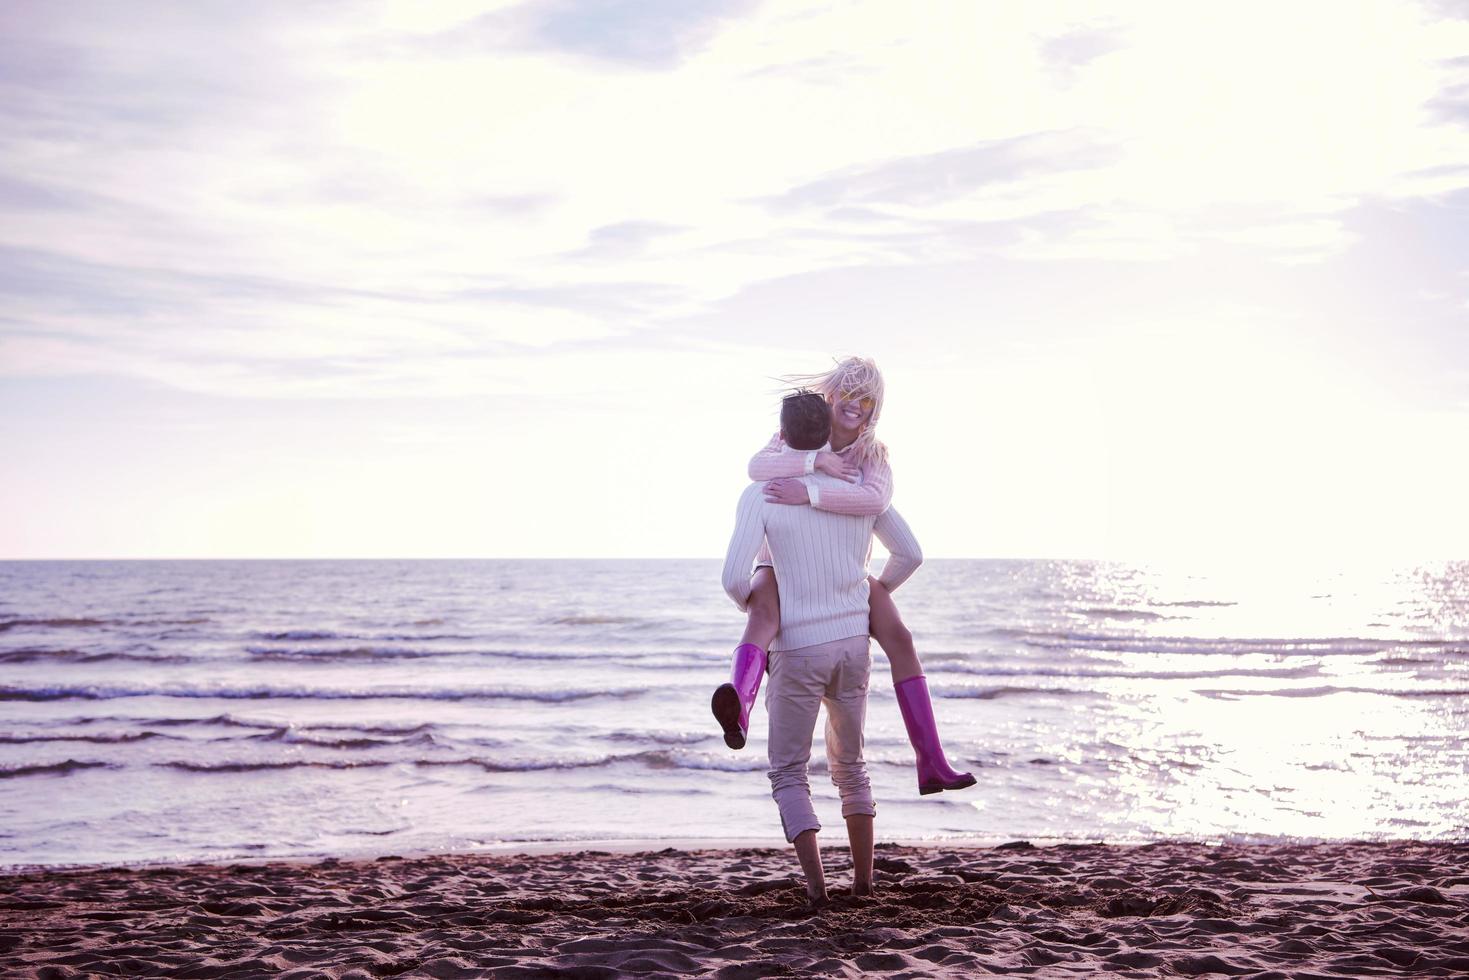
[(798, 826), (854, 809)]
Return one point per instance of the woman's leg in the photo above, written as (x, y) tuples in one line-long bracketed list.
[(763, 610), (934, 772), (733, 701), (887, 628)]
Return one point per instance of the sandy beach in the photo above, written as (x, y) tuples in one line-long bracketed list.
[(1168, 909)]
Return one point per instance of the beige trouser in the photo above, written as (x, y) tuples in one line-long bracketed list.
[(834, 674)]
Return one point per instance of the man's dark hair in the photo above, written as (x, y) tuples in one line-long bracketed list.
[(805, 420)]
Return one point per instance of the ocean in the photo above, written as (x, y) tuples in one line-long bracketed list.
[(157, 711)]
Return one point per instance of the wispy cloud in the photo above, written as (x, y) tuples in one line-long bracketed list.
[(656, 34), (1077, 48), (934, 179), (624, 238), (1452, 102)]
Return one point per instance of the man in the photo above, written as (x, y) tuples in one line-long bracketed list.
[(821, 655)]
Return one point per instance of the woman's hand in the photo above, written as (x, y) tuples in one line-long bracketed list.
[(838, 466), (787, 492)]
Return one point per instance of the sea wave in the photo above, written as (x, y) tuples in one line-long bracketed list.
[(661, 738), (100, 692), (88, 622), (227, 720), (192, 621), (117, 739), (59, 622), (224, 720), (238, 767), (991, 693), (296, 635), (307, 635), (295, 736), (1141, 643), (423, 728), (659, 758), (1293, 672), (370, 653), (1318, 692), (29, 655), (1144, 615), (594, 620), (53, 769), (293, 654)]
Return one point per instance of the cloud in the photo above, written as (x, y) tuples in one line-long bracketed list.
[(1447, 9), (1101, 235), (513, 205), (165, 324), (934, 178), (1075, 49), (647, 34), (639, 32), (609, 302), (1452, 103), (63, 281), (624, 238), (100, 70), (827, 70), (25, 195)]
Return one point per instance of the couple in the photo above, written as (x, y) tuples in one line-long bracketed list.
[(810, 525)]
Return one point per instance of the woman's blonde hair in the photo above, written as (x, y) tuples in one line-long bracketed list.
[(860, 378)]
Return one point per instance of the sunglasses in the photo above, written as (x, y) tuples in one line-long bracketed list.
[(863, 402)]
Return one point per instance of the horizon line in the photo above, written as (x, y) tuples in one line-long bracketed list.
[(1202, 557)]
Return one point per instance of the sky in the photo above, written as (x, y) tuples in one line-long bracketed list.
[(456, 278)]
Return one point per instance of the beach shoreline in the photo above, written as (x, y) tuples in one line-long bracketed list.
[(1159, 909), (525, 848), (651, 845)]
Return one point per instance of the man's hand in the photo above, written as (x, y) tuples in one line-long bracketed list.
[(787, 492), (838, 466)]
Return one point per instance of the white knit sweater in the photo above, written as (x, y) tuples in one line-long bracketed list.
[(820, 562)]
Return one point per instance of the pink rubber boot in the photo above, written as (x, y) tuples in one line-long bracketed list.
[(732, 702), (934, 772)]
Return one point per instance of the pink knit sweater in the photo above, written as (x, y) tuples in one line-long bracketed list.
[(873, 495)]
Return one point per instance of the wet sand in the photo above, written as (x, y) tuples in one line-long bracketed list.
[(1161, 910)]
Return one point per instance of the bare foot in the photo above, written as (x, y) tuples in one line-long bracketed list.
[(818, 900)]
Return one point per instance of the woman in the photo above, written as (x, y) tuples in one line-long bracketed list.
[(854, 391)]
